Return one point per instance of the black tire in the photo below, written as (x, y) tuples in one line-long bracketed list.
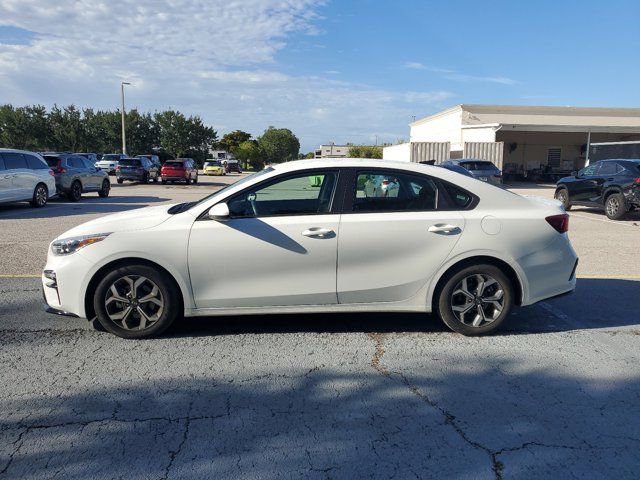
[(164, 182), (562, 194), (106, 188), (40, 196), (445, 299), (615, 206), (169, 296), (120, 181), (75, 192), (187, 181), (195, 180), (145, 178), (155, 179)]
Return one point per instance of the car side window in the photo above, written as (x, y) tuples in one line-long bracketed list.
[(607, 168), (590, 171), (35, 163), (390, 191), (75, 162), (309, 193), (14, 160), (87, 163)]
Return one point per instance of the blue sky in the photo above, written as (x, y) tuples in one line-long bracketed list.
[(331, 71)]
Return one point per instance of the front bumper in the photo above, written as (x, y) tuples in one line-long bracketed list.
[(63, 284)]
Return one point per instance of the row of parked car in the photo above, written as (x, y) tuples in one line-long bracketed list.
[(36, 177)]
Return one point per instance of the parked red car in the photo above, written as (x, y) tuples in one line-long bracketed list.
[(179, 170)]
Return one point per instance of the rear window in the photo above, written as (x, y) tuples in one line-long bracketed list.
[(478, 165), (461, 199), (129, 163), (52, 161), (174, 164), (111, 156)]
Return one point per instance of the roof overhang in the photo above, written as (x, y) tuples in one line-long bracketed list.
[(506, 127)]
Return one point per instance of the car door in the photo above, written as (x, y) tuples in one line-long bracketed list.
[(606, 177), (93, 176), (397, 229), (585, 186), (23, 181), (278, 247), (5, 182)]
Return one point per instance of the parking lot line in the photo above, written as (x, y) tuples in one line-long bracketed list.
[(626, 224)]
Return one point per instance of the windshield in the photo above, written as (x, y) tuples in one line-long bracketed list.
[(479, 165), (239, 182)]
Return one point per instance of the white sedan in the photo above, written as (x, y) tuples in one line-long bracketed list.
[(445, 243)]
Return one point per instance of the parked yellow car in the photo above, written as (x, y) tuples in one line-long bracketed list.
[(213, 167)]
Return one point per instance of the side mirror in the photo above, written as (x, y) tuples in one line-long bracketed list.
[(220, 211)]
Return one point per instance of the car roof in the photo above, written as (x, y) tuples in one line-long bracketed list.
[(633, 160)]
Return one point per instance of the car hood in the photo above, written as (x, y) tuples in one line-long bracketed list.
[(138, 219)]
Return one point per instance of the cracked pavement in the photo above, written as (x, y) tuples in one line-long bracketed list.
[(555, 394)]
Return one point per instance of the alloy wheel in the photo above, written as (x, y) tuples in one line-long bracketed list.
[(612, 206), (477, 300), (41, 196), (134, 302)]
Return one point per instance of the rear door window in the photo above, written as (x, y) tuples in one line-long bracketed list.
[(607, 168), (75, 162), (391, 191), (14, 161)]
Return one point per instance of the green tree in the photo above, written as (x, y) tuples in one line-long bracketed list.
[(66, 128), (279, 145), (24, 127), (250, 154), (365, 151), (232, 140)]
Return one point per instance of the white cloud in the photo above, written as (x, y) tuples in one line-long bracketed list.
[(451, 74), (215, 58)]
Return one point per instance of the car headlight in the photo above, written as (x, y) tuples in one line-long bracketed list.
[(67, 246)]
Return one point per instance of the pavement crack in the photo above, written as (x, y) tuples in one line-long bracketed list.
[(379, 353), (174, 453)]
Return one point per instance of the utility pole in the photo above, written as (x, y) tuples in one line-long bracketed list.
[(124, 139)]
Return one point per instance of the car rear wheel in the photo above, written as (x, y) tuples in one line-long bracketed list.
[(136, 301), (475, 300), (187, 181), (562, 195), (40, 196), (195, 180), (75, 193), (106, 188), (164, 182), (615, 206)]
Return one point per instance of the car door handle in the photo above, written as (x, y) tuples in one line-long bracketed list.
[(7, 176), (445, 228), (318, 232)]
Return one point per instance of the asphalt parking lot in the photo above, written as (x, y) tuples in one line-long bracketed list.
[(552, 395)]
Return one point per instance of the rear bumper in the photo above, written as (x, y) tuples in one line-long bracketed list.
[(550, 272), (173, 179), (129, 176)]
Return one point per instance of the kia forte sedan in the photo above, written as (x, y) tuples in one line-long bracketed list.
[(443, 243)]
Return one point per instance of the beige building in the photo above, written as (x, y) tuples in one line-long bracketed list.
[(520, 139), (332, 151)]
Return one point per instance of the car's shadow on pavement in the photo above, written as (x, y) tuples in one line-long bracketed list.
[(596, 304), (89, 204)]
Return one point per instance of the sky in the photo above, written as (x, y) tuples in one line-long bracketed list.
[(332, 71)]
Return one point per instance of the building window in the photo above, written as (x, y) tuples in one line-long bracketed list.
[(554, 155)]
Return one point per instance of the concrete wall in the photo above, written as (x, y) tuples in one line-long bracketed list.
[(440, 128), (400, 152), (485, 134)]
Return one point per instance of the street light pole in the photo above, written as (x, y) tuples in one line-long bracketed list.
[(124, 138)]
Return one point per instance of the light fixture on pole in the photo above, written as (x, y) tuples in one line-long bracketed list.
[(124, 139)]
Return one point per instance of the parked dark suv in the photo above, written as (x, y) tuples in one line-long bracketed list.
[(76, 174), (137, 169), (610, 184)]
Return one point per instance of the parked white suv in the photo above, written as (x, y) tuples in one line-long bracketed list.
[(25, 176)]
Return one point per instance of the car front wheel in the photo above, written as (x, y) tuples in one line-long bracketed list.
[(563, 197), (104, 191), (475, 300), (136, 301)]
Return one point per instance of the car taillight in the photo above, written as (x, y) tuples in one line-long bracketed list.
[(637, 181), (118, 168), (559, 222)]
